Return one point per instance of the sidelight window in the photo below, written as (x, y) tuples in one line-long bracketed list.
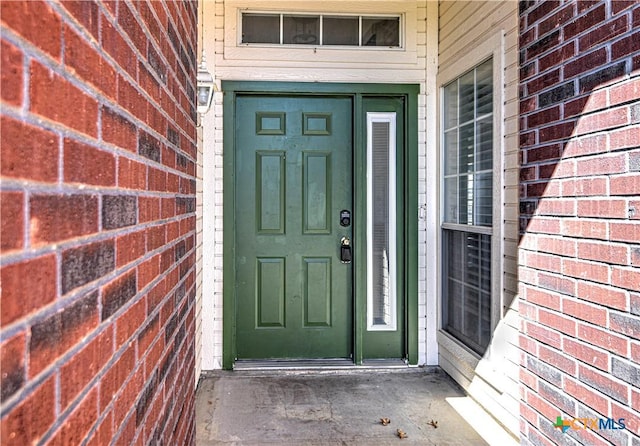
[(381, 222)]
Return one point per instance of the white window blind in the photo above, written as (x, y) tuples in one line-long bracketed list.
[(381, 222)]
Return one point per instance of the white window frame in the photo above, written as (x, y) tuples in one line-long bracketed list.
[(493, 47), (391, 119), (321, 15), (315, 63)]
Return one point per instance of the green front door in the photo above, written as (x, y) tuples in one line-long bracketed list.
[(293, 177)]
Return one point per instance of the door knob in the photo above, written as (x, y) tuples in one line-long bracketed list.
[(345, 250)]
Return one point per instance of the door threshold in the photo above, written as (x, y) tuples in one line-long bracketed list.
[(384, 363), (316, 364), (292, 364)]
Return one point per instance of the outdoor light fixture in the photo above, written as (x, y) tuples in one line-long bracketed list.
[(206, 87)]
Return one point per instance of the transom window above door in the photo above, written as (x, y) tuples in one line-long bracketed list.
[(321, 30)]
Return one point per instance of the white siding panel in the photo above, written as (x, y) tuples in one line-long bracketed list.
[(308, 74), (323, 64), (493, 379)]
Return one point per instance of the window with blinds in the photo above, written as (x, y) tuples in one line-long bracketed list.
[(467, 153), (381, 222), (468, 148)]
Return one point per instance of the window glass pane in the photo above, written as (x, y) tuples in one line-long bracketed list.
[(484, 87), (451, 152), (484, 199), (467, 278), (471, 313), (471, 252), (301, 30), (485, 265), (451, 105), (466, 157), (260, 28), (381, 31), (484, 144), (340, 31), (465, 199), (455, 306), (455, 248), (485, 290), (451, 200), (485, 320), (467, 151), (467, 104)]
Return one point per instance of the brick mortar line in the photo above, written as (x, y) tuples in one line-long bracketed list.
[(11, 258), (609, 375), (32, 383), (10, 184), (67, 189), (560, 388), (606, 177), (140, 359), (563, 256), (63, 132), (156, 311), (55, 367), (524, 14), (575, 79), (578, 259), (132, 410), (575, 39), (32, 52), (179, 369), (564, 141), (581, 280), (589, 198), (62, 302), (178, 59), (125, 36), (577, 138), (610, 60), (191, 34)]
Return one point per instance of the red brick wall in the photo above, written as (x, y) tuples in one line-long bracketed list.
[(98, 222), (580, 219)]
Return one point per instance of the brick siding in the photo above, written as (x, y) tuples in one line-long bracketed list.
[(98, 222), (579, 219)]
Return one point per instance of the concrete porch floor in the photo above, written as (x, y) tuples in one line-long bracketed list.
[(337, 407)]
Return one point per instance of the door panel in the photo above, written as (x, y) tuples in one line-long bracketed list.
[(270, 292), (293, 175), (316, 193), (270, 192), (317, 296)]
